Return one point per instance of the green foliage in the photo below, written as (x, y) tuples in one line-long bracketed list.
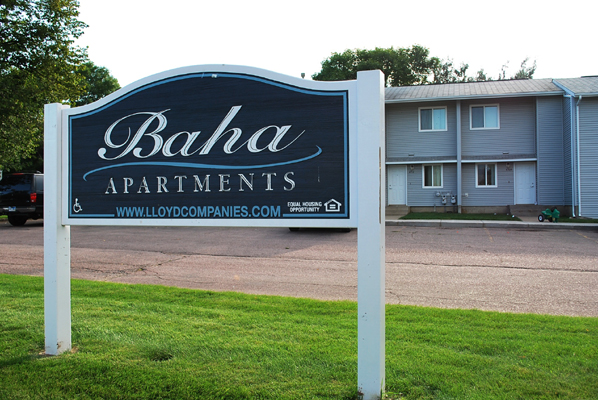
[(481, 76), (97, 83), (401, 66), (37, 58), (406, 67), (445, 72), (142, 341), (524, 71), (39, 33), (39, 64), (578, 220)]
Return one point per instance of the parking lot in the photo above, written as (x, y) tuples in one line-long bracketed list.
[(515, 270)]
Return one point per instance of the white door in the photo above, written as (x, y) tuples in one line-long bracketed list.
[(397, 184), (525, 183)]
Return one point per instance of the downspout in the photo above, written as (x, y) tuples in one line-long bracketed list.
[(537, 150), (572, 129), (459, 173), (578, 160), (572, 149), (571, 96)]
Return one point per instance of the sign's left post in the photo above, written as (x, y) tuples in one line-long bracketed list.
[(57, 239)]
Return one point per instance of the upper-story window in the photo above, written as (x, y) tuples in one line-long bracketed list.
[(432, 119), (485, 117)]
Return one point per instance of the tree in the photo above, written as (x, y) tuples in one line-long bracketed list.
[(97, 83), (445, 72), (401, 66), (481, 76), (407, 66), (37, 61), (525, 72)]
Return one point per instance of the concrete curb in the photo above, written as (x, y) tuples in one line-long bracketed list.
[(455, 224)]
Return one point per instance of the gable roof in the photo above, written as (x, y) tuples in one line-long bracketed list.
[(584, 86), (473, 90)]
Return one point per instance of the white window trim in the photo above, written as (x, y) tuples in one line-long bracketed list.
[(424, 176), (483, 105), (419, 119), (495, 176)]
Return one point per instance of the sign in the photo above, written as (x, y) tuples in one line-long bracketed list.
[(223, 146), (211, 145)]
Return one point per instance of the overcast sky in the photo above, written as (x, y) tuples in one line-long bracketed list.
[(137, 38)]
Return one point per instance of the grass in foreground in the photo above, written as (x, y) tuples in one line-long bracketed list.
[(140, 341), (466, 217)]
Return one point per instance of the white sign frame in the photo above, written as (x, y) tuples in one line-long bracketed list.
[(367, 213)]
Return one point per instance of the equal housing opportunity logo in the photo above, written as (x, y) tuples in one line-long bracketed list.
[(211, 145)]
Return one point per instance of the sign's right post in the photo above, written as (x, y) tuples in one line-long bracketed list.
[(371, 268)]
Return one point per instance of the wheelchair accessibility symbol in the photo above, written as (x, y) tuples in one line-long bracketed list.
[(77, 207)]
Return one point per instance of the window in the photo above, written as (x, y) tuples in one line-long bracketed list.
[(39, 183), (432, 119), (485, 175), (484, 117), (432, 176)]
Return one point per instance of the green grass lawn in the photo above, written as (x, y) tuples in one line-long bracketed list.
[(579, 220), (437, 215), (153, 342)]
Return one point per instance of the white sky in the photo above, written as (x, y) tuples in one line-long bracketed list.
[(137, 38)]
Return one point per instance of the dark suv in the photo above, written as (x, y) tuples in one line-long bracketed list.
[(22, 197)]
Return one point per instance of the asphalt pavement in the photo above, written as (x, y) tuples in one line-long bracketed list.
[(524, 267)]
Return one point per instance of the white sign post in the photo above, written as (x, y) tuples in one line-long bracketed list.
[(370, 235), (57, 240), (338, 128)]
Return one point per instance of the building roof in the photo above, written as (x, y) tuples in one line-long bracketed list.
[(472, 90), (584, 86)]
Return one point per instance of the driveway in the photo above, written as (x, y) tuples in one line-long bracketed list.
[(514, 270)]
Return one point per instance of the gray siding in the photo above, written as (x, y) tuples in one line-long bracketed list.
[(419, 196), (503, 194), (403, 137), (517, 133), (550, 178), (530, 128), (588, 145)]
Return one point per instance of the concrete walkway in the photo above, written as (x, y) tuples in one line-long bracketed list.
[(527, 222)]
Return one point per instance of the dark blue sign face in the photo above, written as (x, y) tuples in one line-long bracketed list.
[(212, 145)]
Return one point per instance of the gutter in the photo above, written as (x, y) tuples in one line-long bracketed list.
[(588, 94), (472, 97), (466, 161)]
